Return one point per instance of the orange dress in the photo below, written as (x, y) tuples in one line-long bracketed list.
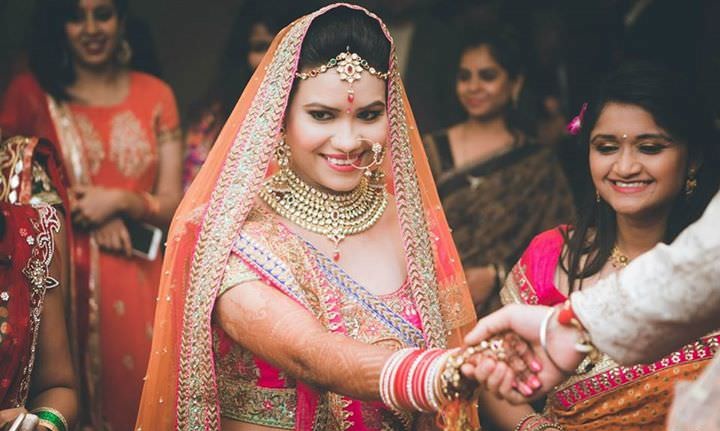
[(119, 149)]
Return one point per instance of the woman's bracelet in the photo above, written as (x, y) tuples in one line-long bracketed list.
[(427, 380), (566, 317), (543, 340), (50, 419)]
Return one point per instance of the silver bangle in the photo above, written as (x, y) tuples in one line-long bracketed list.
[(543, 340)]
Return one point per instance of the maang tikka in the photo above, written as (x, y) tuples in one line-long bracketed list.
[(350, 66)]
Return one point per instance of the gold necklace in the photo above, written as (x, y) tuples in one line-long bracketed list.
[(334, 215), (618, 259)]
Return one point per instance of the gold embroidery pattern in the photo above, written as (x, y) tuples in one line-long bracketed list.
[(241, 398), (517, 288), (12, 167), (241, 177), (37, 271), (418, 250), (130, 148), (607, 375), (43, 191), (91, 142)]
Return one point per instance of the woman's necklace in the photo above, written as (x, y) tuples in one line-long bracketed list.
[(334, 215), (618, 259)]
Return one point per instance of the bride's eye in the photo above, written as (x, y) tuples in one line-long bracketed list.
[(320, 115)]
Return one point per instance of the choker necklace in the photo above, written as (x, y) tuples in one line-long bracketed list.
[(334, 215), (618, 259)]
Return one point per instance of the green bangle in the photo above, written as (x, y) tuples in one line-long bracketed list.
[(51, 419)]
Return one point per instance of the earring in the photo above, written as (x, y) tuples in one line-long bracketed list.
[(282, 154), (691, 182), (124, 54), (597, 196)]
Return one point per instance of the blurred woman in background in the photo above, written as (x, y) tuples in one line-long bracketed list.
[(250, 37), (118, 132), (498, 187)]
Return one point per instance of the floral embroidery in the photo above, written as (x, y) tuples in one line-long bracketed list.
[(130, 148), (606, 375), (93, 145)]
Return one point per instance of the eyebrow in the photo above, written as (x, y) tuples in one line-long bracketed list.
[(614, 138), (377, 103)]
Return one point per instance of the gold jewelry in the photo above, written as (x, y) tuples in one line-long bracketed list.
[(378, 153), (349, 66), (334, 215), (618, 259)]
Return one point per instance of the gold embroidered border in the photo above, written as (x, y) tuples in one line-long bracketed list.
[(240, 178)]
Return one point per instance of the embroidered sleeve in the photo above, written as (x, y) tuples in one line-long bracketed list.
[(517, 288), (236, 272)]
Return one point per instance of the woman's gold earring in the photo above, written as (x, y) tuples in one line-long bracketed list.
[(691, 182), (125, 53), (597, 196), (282, 154)]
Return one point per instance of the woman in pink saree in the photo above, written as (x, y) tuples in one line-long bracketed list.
[(651, 157)]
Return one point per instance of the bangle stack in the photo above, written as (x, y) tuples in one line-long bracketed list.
[(427, 380), (410, 380), (51, 419), (536, 422)]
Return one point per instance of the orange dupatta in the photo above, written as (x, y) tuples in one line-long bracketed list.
[(180, 390)]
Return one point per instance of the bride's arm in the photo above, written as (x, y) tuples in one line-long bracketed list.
[(281, 332)]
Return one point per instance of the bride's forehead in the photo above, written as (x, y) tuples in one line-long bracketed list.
[(328, 88)]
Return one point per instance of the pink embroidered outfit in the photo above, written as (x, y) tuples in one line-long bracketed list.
[(603, 395), (221, 238)]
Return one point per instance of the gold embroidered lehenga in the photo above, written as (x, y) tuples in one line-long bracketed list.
[(220, 237)]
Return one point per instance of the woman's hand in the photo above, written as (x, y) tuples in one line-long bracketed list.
[(113, 236), (514, 377), (525, 321), (29, 422), (94, 205)]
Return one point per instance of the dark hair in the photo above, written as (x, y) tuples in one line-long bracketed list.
[(49, 51), (676, 108), (340, 28), (504, 45)]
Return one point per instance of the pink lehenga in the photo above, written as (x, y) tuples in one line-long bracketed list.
[(602, 395), (220, 238)]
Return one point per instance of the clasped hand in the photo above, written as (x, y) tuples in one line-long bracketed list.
[(527, 372)]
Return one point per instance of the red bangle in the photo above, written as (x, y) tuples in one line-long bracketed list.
[(401, 379)]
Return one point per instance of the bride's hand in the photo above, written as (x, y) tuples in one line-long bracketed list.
[(525, 320), (508, 368)]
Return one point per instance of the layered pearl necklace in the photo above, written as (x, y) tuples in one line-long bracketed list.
[(335, 216)]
